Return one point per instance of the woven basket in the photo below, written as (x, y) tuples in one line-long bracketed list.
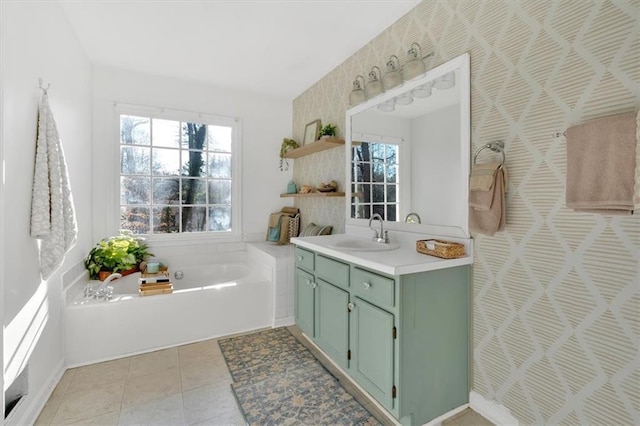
[(438, 248), (294, 227)]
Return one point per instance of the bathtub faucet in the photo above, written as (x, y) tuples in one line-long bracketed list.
[(105, 290)]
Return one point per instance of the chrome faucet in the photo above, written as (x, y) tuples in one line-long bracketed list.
[(105, 290), (382, 236), (412, 218)]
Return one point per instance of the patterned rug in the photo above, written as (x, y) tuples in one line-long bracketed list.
[(278, 382)]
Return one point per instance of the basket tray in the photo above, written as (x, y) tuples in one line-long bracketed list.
[(439, 248)]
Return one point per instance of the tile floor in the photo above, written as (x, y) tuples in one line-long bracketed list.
[(186, 385)]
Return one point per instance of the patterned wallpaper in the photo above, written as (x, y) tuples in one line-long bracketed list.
[(557, 301)]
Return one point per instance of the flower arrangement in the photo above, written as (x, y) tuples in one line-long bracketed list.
[(118, 253)]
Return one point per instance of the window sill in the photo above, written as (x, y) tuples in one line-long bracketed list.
[(174, 240)]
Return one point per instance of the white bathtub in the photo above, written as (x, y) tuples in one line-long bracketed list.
[(213, 299)]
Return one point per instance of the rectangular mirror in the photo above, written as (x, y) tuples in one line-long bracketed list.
[(408, 151)]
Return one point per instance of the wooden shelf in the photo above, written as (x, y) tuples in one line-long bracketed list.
[(313, 147), (314, 194)]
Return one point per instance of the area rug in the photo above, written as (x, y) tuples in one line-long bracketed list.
[(277, 381)]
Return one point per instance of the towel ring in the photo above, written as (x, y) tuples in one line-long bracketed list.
[(497, 146)]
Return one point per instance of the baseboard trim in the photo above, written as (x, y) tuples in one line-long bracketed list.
[(492, 411), (32, 409), (284, 322)]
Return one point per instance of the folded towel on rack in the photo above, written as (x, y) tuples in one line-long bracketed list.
[(481, 199), (483, 176), (491, 220), (601, 162)]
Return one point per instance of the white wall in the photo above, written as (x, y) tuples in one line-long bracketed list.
[(264, 122), (37, 41)]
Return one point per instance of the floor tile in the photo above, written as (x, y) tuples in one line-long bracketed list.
[(165, 411), (472, 419), (102, 398), (223, 420), (194, 352), (212, 401), (153, 361), (103, 420), (50, 408), (203, 373), (104, 372), (152, 386)]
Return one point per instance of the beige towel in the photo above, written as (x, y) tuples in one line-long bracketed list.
[(482, 200), (483, 176), (601, 162), (494, 219)]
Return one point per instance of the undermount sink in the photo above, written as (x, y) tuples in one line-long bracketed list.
[(363, 245)]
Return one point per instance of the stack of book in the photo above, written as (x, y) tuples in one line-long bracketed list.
[(158, 283)]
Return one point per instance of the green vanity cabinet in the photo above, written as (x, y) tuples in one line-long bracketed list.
[(403, 338), (332, 320)]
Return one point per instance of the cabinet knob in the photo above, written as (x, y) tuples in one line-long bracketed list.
[(300, 258), (314, 285), (366, 285), (351, 305)]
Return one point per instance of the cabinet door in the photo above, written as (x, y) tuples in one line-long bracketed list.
[(305, 301), (332, 321), (372, 346)]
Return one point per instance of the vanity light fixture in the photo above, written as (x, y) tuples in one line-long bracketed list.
[(392, 77), (415, 66), (387, 106), (404, 99), (446, 81), (373, 87), (357, 96), (423, 91)]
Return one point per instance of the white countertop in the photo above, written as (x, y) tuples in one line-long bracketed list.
[(404, 260)]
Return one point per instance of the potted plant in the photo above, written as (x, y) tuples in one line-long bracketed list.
[(287, 145), (120, 253), (328, 130)]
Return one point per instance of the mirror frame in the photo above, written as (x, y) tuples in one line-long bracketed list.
[(462, 63)]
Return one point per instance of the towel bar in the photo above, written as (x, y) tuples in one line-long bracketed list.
[(497, 146)]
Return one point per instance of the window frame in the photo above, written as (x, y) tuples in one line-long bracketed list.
[(235, 235)]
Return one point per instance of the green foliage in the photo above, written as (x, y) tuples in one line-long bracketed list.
[(328, 130), (117, 253), (287, 144)]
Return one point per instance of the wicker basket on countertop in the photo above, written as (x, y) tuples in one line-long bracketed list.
[(439, 248)]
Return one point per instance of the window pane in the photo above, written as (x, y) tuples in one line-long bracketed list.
[(166, 191), (220, 166), (193, 163), (166, 133), (135, 219), (135, 130), (194, 219), (166, 162), (391, 213), (377, 192), (134, 160), (392, 154), (378, 172), (392, 174), (379, 208), (377, 151), (219, 138), (220, 218), (166, 220), (391, 193), (134, 190), (363, 172), (365, 191), (194, 136), (219, 192), (194, 191)]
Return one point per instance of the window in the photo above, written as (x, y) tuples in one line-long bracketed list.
[(374, 180), (176, 176)]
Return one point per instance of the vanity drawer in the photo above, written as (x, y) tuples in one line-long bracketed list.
[(332, 271), (374, 288), (305, 259)]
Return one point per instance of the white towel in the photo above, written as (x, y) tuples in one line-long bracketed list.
[(53, 217)]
